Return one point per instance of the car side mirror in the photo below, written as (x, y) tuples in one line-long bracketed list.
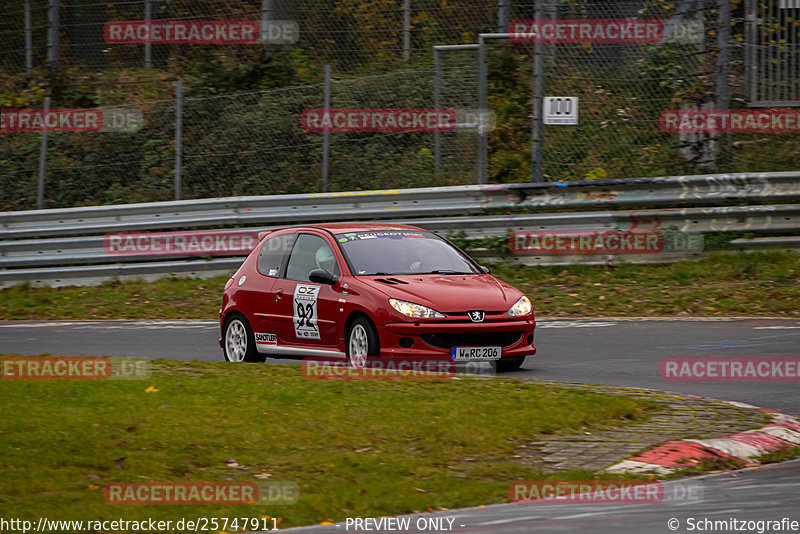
[(321, 276), (485, 269)]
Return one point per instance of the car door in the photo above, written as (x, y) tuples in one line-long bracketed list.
[(272, 257), (308, 312)]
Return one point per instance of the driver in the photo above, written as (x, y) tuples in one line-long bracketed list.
[(325, 259)]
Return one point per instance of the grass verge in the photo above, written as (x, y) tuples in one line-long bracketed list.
[(720, 285), (355, 448)]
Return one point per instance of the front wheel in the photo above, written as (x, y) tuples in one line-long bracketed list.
[(505, 365), (362, 342), (238, 342)]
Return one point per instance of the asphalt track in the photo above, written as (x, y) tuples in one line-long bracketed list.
[(767, 494), (609, 351), (612, 352)]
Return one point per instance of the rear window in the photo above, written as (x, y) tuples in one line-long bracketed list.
[(272, 252), (402, 252)]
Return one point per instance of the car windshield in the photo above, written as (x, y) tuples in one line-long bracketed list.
[(392, 252)]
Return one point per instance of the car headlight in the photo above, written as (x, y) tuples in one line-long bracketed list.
[(409, 309), (522, 307)]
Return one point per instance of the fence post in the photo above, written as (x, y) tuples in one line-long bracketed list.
[(483, 111), (54, 20), (148, 49), (178, 136), (537, 128), (42, 157), (502, 16), (266, 17), (28, 37), (437, 138), (406, 30), (723, 83), (326, 135)]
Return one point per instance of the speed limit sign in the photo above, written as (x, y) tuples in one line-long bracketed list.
[(560, 110)]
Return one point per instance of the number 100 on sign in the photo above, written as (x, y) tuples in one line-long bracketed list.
[(560, 110)]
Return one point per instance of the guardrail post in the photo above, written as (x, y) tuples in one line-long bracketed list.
[(537, 128), (326, 135), (42, 157), (178, 136)]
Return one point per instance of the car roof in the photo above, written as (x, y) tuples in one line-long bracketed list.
[(361, 227), (347, 227)]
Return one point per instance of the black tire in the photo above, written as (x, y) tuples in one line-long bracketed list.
[(506, 365), (362, 342), (238, 341)]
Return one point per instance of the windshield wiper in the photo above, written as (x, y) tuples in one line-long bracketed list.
[(445, 271)]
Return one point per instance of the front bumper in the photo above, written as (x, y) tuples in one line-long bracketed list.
[(432, 340)]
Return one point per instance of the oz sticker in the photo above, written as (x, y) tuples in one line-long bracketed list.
[(305, 312)]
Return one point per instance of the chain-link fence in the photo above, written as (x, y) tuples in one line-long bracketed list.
[(235, 144), (347, 35), (241, 123)]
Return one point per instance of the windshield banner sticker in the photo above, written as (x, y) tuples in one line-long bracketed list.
[(356, 236), (305, 311)]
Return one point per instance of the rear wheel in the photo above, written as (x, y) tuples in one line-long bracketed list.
[(238, 342), (362, 342), (505, 365)]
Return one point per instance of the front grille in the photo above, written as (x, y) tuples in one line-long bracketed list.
[(501, 314), (477, 339)]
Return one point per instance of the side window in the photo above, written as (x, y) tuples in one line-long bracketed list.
[(310, 252), (272, 252)]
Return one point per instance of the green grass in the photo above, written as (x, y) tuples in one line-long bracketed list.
[(723, 284), (355, 448)]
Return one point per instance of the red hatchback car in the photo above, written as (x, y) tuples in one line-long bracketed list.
[(359, 291)]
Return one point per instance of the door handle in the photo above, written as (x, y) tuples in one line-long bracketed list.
[(278, 295)]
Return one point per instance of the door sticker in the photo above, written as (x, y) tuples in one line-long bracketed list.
[(305, 311), (266, 339)]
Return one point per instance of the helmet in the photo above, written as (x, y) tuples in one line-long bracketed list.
[(325, 260)]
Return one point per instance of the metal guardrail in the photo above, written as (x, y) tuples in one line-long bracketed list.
[(769, 218), (424, 202), (34, 242)]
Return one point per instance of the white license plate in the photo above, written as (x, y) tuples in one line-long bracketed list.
[(475, 353)]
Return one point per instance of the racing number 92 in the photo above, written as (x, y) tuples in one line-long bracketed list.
[(305, 312)]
